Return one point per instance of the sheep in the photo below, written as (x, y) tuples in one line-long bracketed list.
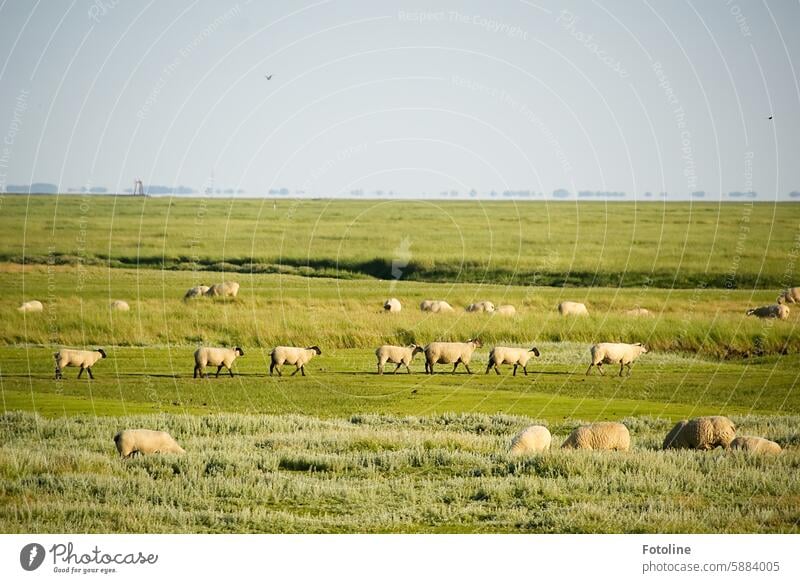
[(132, 441), (31, 306), (481, 307), (392, 305), (85, 359), (572, 309), (640, 312), (756, 445), (219, 357), (605, 435), (505, 355), (299, 357), (119, 306), (196, 292), (790, 296), (701, 433), (399, 355), (779, 311), (450, 352), (226, 289), (533, 439), (435, 306), (505, 310), (613, 353)]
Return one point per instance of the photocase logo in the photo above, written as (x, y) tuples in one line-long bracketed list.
[(31, 556), (402, 255)]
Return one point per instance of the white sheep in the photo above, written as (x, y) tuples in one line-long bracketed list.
[(481, 307), (450, 353), (756, 445), (226, 289), (299, 357), (605, 435), (572, 309), (132, 441), (615, 353), (85, 359), (392, 305), (119, 306), (790, 296), (506, 310), (399, 355), (195, 292), (533, 439), (640, 313), (31, 306), (701, 433), (779, 311), (435, 306), (219, 357), (506, 355)]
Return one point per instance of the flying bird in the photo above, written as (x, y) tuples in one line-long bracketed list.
[(269, 77)]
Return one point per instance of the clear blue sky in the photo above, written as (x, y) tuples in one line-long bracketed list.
[(417, 98)]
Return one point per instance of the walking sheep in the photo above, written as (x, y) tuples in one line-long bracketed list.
[(399, 355), (226, 289), (572, 309), (195, 292), (219, 357), (615, 353), (299, 357), (132, 441), (454, 353), (505, 355), (701, 433), (779, 311), (533, 439), (790, 296), (119, 306), (31, 306), (756, 445), (481, 307), (435, 306), (505, 310), (605, 435), (85, 359), (392, 305)]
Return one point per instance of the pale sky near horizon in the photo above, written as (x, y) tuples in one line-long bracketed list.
[(413, 97)]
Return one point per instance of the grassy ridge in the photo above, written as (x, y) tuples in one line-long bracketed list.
[(522, 243)]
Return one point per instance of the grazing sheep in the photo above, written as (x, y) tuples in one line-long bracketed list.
[(790, 296), (450, 353), (196, 292), (572, 309), (640, 312), (701, 433), (31, 306), (756, 445), (615, 353), (435, 306), (132, 441), (226, 289), (119, 306), (605, 435), (299, 357), (772, 311), (85, 359), (399, 355), (481, 307), (505, 355), (219, 357), (392, 305), (533, 439), (506, 310)]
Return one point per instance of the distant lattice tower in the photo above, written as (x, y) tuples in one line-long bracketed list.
[(138, 188)]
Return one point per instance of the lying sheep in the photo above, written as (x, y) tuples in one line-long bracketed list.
[(226, 289), (640, 313), (196, 292), (615, 353), (85, 359), (756, 445), (219, 357), (605, 435), (533, 439), (132, 441), (399, 355), (701, 433), (481, 307), (435, 306), (506, 310), (450, 353), (779, 311), (790, 296), (299, 357), (505, 355), (392, 305), (31, 306), (119, 306), (572, 309)]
